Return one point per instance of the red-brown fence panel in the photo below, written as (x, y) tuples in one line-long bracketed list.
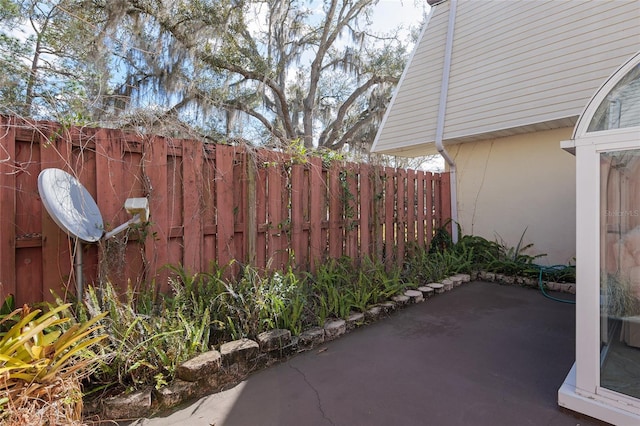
[(208, 203)]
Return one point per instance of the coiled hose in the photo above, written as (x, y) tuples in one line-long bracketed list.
[(550, 269)]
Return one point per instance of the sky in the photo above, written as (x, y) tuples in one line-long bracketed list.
[(393, 13)]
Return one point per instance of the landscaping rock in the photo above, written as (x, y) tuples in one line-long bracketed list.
[(487, 276), (388, 307), (457, 281), (205, 364), (274, 340), (334, 329), (530, 282), (177, 392), (312, 337), (414, 296), (448, 284), (505, 279), (354, 320), (464, 277), (373, 313), (437, 287), (131, 406), (238, 350), (236, 357), (401, 299), (427, 291)]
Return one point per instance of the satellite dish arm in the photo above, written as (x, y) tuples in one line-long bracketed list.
[(134, 220)]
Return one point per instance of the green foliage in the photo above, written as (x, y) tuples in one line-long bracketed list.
[(38, 354), (340, 287), (423, 267), (145, 341)]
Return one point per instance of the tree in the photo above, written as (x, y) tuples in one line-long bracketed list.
[(274, 71), (47, 58), (297, 73)]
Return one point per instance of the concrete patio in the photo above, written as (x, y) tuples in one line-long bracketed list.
[(481, 354)]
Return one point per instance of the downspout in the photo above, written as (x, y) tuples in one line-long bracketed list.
[(441, 118)]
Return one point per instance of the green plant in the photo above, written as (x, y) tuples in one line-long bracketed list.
[(331, 290), (145, 340), (6, 310), (37, 355)]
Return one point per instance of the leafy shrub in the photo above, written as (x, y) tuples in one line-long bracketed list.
[(41, 365), (145, 342)]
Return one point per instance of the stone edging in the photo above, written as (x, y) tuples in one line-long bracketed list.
[(523, 281)]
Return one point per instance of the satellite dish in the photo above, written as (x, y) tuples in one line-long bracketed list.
[(74, 210), (70, 205)]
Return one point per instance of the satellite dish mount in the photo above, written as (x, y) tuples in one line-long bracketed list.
[(75, 211)]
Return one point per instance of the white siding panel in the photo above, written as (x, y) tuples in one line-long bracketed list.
[(517, 63), (516, 66)]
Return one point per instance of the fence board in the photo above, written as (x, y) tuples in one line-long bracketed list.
[(379, 212), (401, 215), (8, 208), (411, 207), (239, 206), (365, 211), (352, 215), (57, 248), (225, 156), (389, 216), (336, 213), (192, 157), (155, 170), (317, 212), (429, 182), (420, 209), (261, 215), (298, 243), (444, 204), (202, 200)]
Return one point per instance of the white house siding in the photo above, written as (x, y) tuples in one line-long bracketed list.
[(514, 64), (532, 62), (519, 182)]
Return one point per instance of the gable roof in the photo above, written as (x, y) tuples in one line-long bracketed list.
[(516, 67)]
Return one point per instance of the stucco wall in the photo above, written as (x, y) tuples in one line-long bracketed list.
[(526, 181)]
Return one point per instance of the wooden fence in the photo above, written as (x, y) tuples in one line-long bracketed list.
[(209, 203)]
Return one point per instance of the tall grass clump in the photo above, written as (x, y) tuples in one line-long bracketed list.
[(42, 363), (146, 340), (257, 301)]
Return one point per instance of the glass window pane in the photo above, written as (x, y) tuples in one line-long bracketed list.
[(621, 107), (620, 271)]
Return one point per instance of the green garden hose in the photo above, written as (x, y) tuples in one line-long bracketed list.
[(553, 268)]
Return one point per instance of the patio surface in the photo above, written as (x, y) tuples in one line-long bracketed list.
[(481, 354)]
